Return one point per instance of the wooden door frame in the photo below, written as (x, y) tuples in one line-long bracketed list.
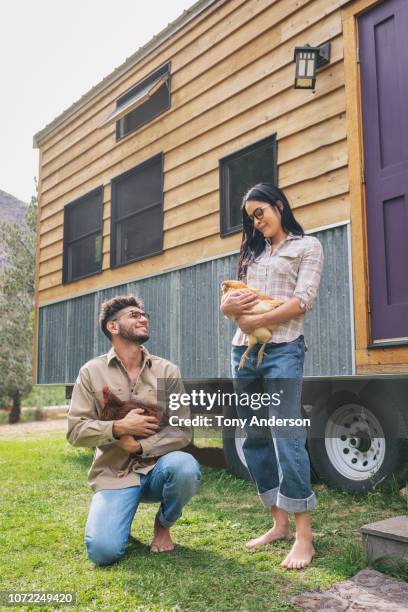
[(368, 360)]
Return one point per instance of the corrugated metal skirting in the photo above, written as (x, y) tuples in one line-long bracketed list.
[(187, 326)]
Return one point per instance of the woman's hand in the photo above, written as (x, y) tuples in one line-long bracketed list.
[(237, 303), (247, 323)]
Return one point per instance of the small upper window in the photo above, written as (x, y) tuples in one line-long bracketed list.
[(137, 212), (142, 103), (83, 221), (240, 171)]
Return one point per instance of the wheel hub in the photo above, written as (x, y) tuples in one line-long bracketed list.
[(355, 443)]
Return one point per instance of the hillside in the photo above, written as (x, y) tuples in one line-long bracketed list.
[(12, 210)]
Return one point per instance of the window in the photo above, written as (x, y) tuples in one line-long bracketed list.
[(240, 171), (137, 213), (142, 103), (83, 221)]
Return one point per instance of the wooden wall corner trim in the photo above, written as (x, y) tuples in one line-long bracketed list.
[(357, 195), (36, 279)]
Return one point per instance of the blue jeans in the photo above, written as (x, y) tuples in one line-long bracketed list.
[(173, 481), (277, 458)]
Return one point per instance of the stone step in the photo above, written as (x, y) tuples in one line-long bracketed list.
[(387, 538)]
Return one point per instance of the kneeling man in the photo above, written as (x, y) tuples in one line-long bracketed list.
[(137, 458)]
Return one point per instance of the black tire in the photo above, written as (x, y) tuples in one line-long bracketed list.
[(234, 459), (331, 456)]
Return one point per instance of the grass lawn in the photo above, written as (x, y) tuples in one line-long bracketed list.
[(44, 503)]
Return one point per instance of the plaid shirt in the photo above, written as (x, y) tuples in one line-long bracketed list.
[(293, 269)]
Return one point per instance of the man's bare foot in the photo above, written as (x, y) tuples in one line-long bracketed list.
[(162, 541), (276, 533), (300, 556)]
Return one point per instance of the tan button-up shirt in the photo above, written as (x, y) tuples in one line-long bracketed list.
[(157, 379)]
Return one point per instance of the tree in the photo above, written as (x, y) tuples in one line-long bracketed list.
[(17, 310)]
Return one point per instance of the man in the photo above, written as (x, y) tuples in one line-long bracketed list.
[(160, 472)]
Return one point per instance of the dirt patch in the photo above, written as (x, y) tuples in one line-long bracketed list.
[(33, 429), (211, 457)]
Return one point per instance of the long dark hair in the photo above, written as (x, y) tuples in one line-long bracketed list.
[(253, 242)]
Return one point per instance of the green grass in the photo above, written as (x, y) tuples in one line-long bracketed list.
[(44, 504)]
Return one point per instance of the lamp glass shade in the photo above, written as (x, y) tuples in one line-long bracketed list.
[(306, 60)]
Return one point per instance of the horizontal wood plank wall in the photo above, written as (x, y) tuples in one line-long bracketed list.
[(232, 84)]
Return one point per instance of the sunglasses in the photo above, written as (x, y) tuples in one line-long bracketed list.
[(132, 314)]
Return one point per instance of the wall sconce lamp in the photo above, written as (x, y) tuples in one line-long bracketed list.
[(308, 59)]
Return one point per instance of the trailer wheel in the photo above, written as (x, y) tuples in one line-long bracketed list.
[(354, 447), (233, 451)]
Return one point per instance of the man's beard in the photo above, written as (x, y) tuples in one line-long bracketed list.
[(140, 338)]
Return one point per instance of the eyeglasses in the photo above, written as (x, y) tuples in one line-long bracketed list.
[(133, 314), (257, 214)]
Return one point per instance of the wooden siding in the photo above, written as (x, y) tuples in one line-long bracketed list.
[(232, 84)]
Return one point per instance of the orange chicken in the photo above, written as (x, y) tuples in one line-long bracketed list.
[(266, 303)]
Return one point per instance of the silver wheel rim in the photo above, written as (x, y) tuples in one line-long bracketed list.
[(355, 443), (239, 441)]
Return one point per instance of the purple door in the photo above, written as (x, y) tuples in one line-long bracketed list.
[(383, 42)]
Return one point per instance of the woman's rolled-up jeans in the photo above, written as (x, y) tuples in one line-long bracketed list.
[(276, 456)]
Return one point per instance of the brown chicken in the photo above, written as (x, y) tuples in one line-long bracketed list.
[(266, 303), (114, 409)]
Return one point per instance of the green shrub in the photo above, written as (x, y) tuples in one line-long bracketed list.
[(31, 414), (45, 395)]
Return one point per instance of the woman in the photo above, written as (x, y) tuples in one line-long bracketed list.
[(279, 260)]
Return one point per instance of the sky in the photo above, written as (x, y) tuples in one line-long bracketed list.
[(51, 53)]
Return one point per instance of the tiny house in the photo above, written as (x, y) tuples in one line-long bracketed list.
[(140, 184)]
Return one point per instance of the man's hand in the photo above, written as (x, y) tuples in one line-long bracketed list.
[(136, 423), (237, 303), (129, 444)]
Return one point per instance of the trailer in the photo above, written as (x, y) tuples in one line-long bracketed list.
[(358, 431), (139, 191)]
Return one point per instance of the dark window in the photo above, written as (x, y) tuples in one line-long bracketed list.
[(240, 171), (83, 222), (137, 213), (144, 102)]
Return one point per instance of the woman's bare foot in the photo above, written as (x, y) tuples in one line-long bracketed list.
[(301, 554), (276, 533), (162, 541)]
